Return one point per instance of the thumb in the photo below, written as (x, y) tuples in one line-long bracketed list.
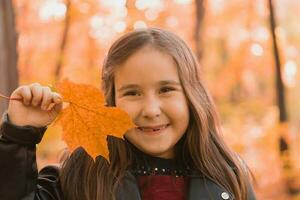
[(58, 107)]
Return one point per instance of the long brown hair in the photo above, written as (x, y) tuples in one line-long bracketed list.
[(203, 149)]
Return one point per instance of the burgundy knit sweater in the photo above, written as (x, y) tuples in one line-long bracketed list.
[(163, 187), (161, 179)]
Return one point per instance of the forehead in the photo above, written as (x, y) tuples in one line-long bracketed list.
[(147, 65)]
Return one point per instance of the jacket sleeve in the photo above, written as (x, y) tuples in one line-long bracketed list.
[(19, 178)]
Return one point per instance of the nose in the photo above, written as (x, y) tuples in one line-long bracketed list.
[(151, 108)]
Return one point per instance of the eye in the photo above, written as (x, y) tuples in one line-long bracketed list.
[(131, 93), (166, 89)]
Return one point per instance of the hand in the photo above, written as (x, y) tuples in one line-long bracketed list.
[(38, 105)]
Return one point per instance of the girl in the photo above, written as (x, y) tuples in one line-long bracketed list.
[(175, 153)]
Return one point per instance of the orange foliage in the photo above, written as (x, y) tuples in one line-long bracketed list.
[(237, 65), (86, 121)]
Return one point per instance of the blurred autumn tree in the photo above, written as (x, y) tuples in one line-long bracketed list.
[(281, 103), (69, 39), (8, 53)]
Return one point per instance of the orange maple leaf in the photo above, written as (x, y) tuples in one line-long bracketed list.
[(86, 121)]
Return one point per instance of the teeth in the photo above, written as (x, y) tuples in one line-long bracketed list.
[(152, 129), (149, 129)]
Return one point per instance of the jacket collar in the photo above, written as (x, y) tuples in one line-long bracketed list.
[(199, 189)]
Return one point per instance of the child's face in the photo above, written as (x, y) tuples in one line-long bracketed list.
[(148, 89)]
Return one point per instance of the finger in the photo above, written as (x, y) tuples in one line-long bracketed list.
[(37, 94), (47, 98), (23, 92), (55, 107), (58, 107), (57, 98)]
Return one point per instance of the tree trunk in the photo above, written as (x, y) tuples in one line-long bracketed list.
[(199, 19), (8, 53), (280, 92), (283, 118), (279, 84), (63, 43)]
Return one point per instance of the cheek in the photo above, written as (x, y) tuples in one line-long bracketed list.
[(178, 111), (129, 108), (178, 107)]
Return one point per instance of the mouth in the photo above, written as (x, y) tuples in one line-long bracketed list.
[(152, 129)]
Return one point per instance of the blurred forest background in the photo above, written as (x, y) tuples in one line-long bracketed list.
[(249, 54)]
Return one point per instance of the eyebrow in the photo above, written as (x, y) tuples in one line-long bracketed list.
[(161, 83)]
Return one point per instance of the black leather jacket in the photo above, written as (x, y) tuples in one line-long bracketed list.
[(20, 180)]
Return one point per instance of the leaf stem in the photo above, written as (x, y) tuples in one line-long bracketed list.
[(9, 98)]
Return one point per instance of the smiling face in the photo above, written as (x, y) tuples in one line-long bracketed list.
[(148, 88)]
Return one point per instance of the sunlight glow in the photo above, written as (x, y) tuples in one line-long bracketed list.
[(144, 4), (103, 34), (183, 1), (139, 24), (257, 49), (113, 3), (120, 26), (151, 14), (280, 32), (120, 12), (172, 21), (52, 9), (217, 6), (104, 27), (260, 34), (96, 22), (290, 71)]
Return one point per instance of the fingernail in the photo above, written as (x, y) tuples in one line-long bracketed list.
[(50, 107)]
